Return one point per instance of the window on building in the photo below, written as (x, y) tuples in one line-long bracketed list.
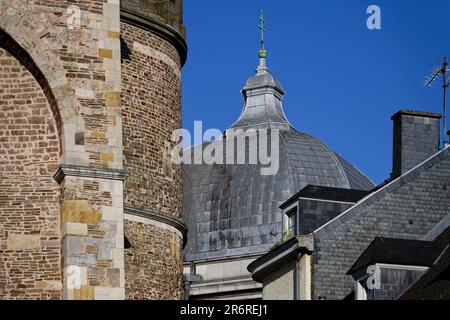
[(291, 226)]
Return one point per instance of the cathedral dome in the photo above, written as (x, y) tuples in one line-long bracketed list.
[(232, 209)]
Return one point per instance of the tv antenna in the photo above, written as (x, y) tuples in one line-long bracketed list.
[(440, 72)]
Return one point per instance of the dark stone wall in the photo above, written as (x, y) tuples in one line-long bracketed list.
[(407, 208)]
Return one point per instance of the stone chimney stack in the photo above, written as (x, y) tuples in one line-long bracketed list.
[(416, 138)]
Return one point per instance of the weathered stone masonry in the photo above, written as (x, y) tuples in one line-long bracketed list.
[(151, 102), (81, 67), (29, 216), (151, 105), (153, 262), (65, 106)]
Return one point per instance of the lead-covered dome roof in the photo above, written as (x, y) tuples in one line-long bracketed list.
[(232, 210)]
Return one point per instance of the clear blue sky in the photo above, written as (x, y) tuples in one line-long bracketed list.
[(343, 81)]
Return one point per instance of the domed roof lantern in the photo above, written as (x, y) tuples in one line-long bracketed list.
[(232, 210), (263, 96)]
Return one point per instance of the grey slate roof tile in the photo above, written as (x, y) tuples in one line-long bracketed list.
[(242, 197)]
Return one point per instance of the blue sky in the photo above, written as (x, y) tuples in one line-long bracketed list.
[(343, 81)]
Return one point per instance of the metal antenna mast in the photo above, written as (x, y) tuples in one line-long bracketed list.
[(441, 71)]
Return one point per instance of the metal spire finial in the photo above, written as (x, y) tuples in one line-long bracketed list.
[(262, 51)]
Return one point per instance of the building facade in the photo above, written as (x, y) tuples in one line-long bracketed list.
[(90, 202)]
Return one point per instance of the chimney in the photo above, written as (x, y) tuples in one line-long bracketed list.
[(416, 138)]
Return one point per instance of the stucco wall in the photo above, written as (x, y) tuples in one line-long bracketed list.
[(280, 284)]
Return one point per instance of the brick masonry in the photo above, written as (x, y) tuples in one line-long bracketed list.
[(407, 208), (81, 80), (279, 285), (169, 12), (29, 216), (154, 262), (82, 68), (77, 98), (151, 104)]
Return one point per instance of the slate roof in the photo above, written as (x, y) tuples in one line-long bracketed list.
[(435, 283), (408, 207), (232, 209), (400, 252), (327, 193)]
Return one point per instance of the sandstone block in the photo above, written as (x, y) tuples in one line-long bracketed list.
[(84, 293), (71, 228), (49, 285), (113, 34), (23, 242), (107, 157), (105, 53), (113, 99), (78, 211)]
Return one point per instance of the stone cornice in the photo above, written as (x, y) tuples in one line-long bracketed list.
[(164, 31), (158, 217), (88, 172)]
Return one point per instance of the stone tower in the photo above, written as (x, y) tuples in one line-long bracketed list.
[(90, 203), (154, 51)]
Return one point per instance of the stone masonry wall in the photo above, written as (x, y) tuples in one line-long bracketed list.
[(81, 63), (154, 262), (76, 46), (169, 12), (408, 208), (151, 101), (30, 249), (93, 238)]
